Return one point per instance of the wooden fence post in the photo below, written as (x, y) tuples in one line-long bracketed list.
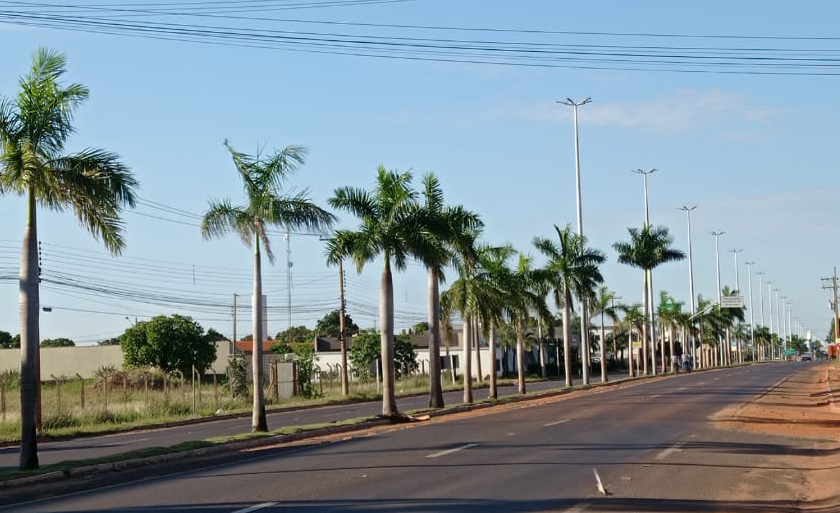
[(82, 388)]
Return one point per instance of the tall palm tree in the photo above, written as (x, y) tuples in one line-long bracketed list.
[(573, 270), (447, 232), (267, 204), (34, 128), (602, 304), (391, 226), (635, 317), (647, 249)]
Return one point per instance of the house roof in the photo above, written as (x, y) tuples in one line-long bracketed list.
[(247, 346)]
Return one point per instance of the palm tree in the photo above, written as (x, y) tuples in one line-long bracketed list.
[(669, 311), (266, 205), (391, 226), (602, 304), (636, 319), (447, 232), (573, 270), (34, 128), (523, 292), (648, 248)]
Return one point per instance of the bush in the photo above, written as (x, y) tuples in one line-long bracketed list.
[(237, 376), (60, 420)]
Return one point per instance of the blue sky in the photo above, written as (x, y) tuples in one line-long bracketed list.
[(755, 153)]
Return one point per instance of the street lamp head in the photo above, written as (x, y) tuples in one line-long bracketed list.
[(749, 263), (572, 103), (643, 172), (735, 251), (716, 234), (688, 209)]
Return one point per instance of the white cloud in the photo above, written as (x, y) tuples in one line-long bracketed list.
[(682, 111)]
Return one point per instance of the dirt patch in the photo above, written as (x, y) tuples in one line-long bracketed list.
[(805, 407)]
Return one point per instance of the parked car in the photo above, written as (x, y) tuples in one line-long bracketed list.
[(806, 357)]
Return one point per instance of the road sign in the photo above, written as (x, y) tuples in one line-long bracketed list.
[(637, 344), (789, 351), (732, 302)]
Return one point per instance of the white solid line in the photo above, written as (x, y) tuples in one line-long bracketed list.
[(577, 508), (450, 451), (664, 454), (555, 423), (255, 507)]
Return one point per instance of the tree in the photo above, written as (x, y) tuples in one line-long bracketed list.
[(6, 340), (57, 342), (602, 305), (365, 351), (330, 326), (446, 232), (573, 270), (113, 341), (214, 336), (390, 227), (266, 205), (169, 343), (420, 327), (669, 311), (647, 249), (296, 334), (34, 129)]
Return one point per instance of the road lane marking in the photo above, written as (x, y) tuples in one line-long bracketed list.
[(655, 396), (450, 451), (702, 383), (255, 507), (680, 389), (598, 482), (674, 448), (555, 423)]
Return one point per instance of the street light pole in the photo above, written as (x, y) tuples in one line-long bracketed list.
[(778, 318), (584, 324), (717, 235), (649, 279), (752, 322), (695, 350), (738, 289)]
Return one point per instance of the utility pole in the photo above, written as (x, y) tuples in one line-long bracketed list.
[(738, 289), (833, 287), (345, 383), (584, 317), (717, 235), (289, 278), (233, 345)]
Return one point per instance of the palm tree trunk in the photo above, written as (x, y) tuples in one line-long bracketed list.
[(493, 370), (435, 389), (567, 337), (30, 378), (258, 420), (477, 350), (603, 352), (672, 330), (520, 357), (645, 305), (630, 369), (584, 343), (662, 345), (542, 349), (652, 324), (467, 357), (386, 339)]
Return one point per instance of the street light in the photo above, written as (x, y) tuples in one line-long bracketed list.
[(752, 322), (738, 289), (649, 273), (695, 350), (584, 331), (717, 235)]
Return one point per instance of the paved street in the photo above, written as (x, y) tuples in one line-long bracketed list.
[(95, 446), (651, 445)]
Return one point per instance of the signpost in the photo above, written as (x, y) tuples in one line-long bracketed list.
[(732, 302)]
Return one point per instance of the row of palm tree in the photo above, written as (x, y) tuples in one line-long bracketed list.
[(496, 287)]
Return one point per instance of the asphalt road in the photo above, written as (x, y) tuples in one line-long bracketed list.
[(651, 445), (104, 445)]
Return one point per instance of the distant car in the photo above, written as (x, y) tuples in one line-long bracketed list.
[(805, 357)]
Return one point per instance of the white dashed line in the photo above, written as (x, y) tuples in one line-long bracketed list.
[(255, 507), (680, 389), (664, 454), (450, 451), (555, 423)]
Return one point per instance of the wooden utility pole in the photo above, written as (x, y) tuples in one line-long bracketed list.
[(833, 286), (342, 339)]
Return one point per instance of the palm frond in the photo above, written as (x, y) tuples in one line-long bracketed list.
[(277, 168), (222, 218)]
